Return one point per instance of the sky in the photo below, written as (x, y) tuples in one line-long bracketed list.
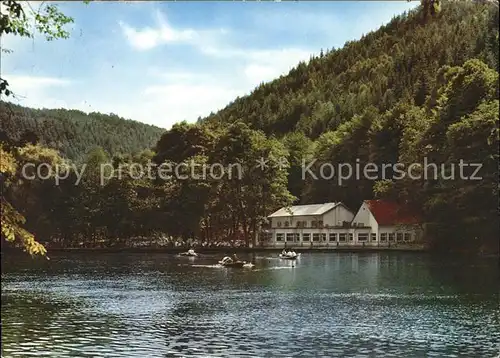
[(165, 62)]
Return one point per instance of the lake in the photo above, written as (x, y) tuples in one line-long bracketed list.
[(389, 304)]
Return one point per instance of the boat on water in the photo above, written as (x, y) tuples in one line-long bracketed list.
[(229, 262), (189, 253), (288, 255), (237, 264)]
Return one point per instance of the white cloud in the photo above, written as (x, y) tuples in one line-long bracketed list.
[(22, 83), (186, 95), (32, 91), (180, 75), (258, 73), (261, 65), (282, 60), (141, 40), (267, 65), (288, 56), (183, 95), (184, 101), (165, 104), (189, 95), (173, 98), (163, 33)]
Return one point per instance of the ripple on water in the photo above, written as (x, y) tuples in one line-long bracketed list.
[(148, 307)]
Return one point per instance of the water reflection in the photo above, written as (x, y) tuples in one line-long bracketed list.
[(332, 304)]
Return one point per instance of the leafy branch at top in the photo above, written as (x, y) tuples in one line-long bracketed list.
[(47, 20), (24, 21)]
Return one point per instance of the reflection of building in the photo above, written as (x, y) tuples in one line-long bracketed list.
[(376, 223)]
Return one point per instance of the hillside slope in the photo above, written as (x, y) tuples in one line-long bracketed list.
[(75, 133), (398, 62)]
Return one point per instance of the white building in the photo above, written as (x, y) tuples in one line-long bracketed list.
[(376, 223)]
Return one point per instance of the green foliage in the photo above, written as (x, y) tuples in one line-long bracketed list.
[(20, 19), (299, 148), (12, 223), (75, 133), (430, 8), (230, 207), (397, 63), (50, 22), (460, 124), (183, 141), (260, 189)]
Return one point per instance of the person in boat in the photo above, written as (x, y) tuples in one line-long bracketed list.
[(235, 258)]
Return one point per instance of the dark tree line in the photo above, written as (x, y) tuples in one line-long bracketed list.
[(74, 133)]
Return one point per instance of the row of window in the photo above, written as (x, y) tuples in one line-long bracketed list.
[(343, 237), (314, 224)]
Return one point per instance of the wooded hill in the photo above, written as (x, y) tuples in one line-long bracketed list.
[(75, 133), (398, 63)]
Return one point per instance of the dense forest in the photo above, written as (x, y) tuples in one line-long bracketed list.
[(425, 87), (398, 63), (75, 133)]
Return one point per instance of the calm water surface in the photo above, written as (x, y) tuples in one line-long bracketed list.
[(331, 304)]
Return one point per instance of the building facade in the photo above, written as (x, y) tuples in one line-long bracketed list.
[(376, 223)]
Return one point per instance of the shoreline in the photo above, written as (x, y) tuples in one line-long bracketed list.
[(248, 250), (169, 250)]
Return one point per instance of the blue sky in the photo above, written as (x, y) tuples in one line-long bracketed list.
[(164, 62)]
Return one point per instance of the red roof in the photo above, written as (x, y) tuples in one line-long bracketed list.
[(391, 213)]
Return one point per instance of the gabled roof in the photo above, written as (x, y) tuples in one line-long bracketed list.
[(389, 213), (304, 210)]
